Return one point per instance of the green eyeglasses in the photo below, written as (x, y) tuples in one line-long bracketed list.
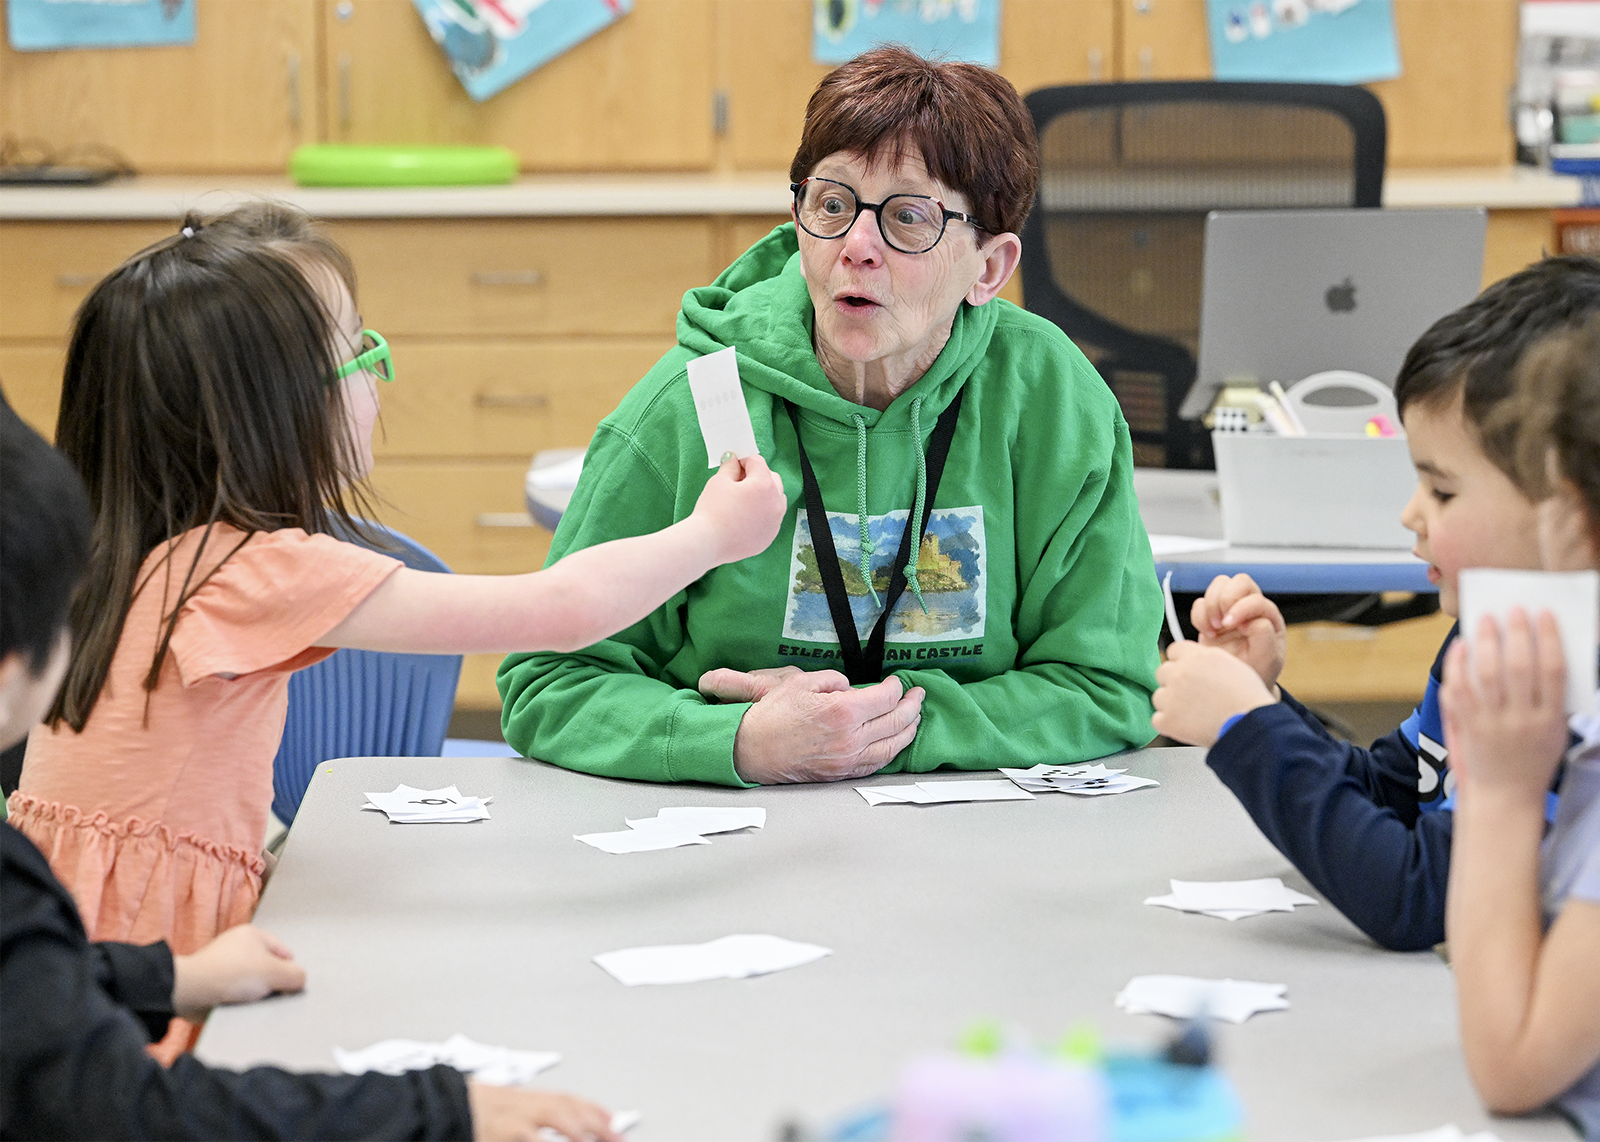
[(374, 358)]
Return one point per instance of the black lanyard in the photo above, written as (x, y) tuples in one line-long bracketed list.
[(863, 667)]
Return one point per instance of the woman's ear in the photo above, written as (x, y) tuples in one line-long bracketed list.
[(1000, 258)]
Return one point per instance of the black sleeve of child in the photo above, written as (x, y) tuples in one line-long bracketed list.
[(1383, 870), (73, 1062), (138, 977), (1387, 771)]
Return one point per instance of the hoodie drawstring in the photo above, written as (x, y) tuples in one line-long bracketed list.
[(914, 520), (861, 505)]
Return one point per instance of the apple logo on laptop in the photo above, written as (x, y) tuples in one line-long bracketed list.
[(1341, 298)]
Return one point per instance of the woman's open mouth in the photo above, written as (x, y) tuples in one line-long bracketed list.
[(856, 301)]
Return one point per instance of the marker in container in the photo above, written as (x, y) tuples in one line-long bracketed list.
[(1288, 409)]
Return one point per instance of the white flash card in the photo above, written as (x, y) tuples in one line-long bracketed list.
[(719, 405), (1572, 596)]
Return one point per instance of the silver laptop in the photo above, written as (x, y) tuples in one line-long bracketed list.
[(1289, 293)]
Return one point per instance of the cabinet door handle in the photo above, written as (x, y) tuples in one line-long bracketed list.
[(504, 519), (75, 280), (294, 92), (507, 277), (511, 400)]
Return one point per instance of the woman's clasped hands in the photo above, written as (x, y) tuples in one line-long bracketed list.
[(812, 725)]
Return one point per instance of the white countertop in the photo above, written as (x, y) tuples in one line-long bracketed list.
[(754, 193), (160, 197)]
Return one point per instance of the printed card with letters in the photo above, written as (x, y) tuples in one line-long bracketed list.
[(720, 407)]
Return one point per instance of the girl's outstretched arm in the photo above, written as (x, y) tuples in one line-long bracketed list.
[(1529, 999), (585, 597)]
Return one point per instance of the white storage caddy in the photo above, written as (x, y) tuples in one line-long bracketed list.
[(1334, 487)]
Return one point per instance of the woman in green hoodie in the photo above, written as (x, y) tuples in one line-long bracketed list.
[(963, 580)]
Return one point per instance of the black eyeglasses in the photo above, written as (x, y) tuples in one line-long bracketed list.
[(910, 223)]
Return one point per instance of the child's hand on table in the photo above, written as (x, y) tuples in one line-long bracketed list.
[(1235, 616), (242, 965), (743, 505), (511, 1114), (1504, 706), (1200, 687)]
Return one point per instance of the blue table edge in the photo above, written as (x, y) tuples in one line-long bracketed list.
[(1193, 577)]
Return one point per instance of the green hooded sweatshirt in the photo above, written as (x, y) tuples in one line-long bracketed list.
[(1033, 618)]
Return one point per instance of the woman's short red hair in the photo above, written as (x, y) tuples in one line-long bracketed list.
[(969, 124)]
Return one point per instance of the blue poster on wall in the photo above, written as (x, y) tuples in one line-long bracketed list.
[(493, 43), (50, 25), (944, 29), (1306, 41)]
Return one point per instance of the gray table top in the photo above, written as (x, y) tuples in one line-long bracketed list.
[(1029, 912)]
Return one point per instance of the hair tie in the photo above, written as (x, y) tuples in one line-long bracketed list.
[(188, 231)]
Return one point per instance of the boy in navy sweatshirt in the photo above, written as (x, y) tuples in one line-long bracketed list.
[(1370, 828), (78, 1015)]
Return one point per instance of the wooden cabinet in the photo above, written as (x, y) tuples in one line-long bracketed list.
[(643, 95), (1447, 108), (238, 100), (46, 270), (765, 69), (635, 96), (515, 275)]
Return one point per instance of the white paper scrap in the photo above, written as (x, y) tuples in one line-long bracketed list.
[(1056, 778), (943, 792), (647, 835), (1574, 598), (720, 406), (499, 1066), (1185, 997), (731, 957), (1231, 899), (884, 794), (1083, 780), (622, 1121), (406, 805), (721, 819)]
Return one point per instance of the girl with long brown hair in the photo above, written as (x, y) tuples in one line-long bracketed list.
[(218, 400)]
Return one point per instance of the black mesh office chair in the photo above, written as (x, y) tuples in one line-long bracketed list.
[(1128, 171)]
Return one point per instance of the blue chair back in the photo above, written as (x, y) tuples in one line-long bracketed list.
[(361, 703)]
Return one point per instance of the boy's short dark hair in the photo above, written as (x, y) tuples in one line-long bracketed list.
[(44, 540), (1475, 351)]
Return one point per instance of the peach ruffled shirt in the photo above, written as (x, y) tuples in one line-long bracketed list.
[(154, 815)]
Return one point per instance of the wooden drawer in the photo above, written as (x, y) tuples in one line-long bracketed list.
[(47, 268), (455, 509), (507, 398), (31, 377), (1333, 662), (518, 276)]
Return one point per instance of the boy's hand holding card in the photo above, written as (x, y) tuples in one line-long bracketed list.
[(1573, 597)]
